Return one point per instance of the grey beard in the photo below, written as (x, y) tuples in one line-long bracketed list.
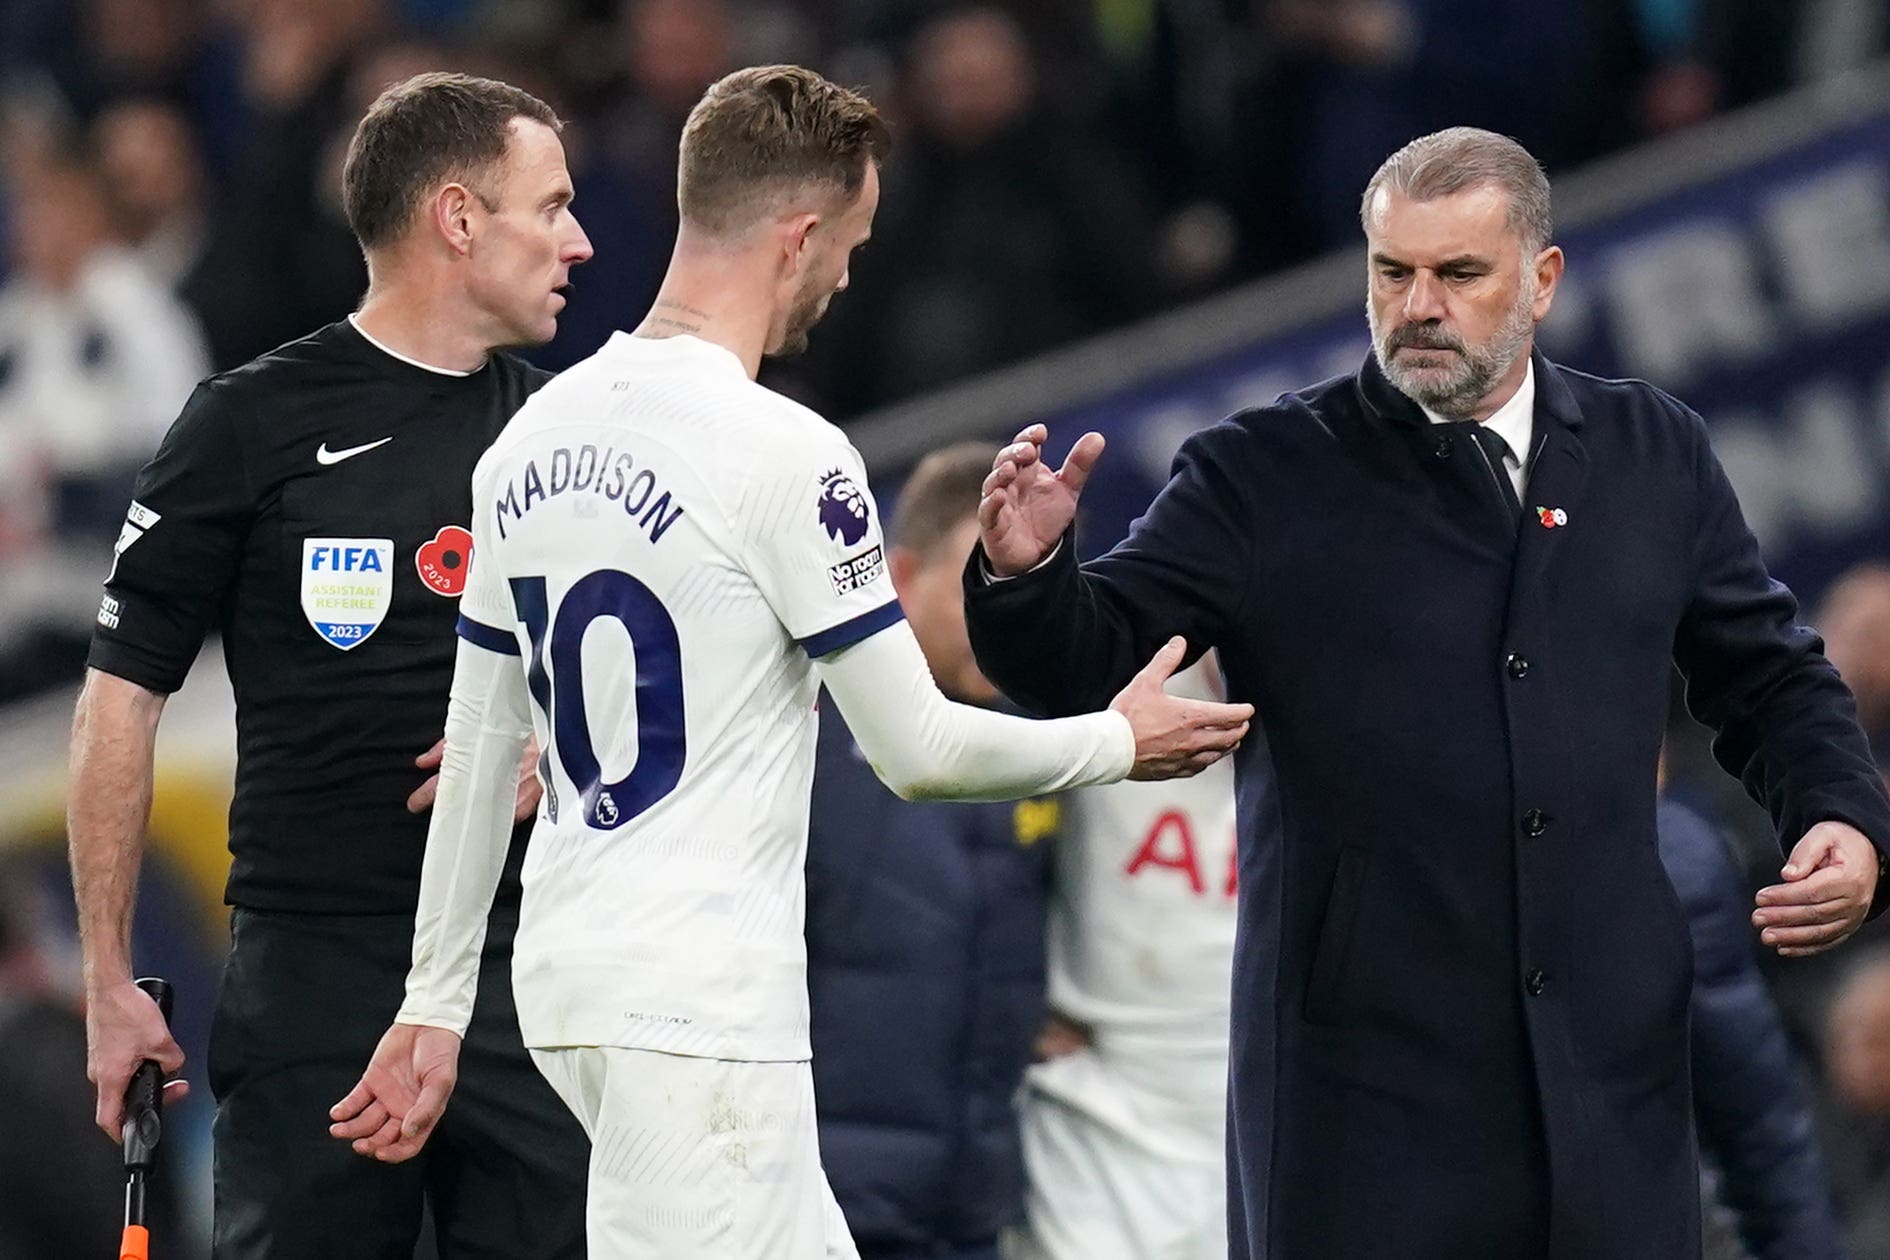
[(1456, 396)]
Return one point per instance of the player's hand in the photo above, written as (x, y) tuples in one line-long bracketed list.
[(1829, 881), (529, 787), (123, 1028), (1025, 507), (1176, 737), (390, 1114), (1060, 1036)]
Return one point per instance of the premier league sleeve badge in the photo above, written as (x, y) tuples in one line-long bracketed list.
[(842, 509)]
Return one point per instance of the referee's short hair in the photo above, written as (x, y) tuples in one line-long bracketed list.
[(420, 132), (941, 494), (763, 135), (1460, 158)]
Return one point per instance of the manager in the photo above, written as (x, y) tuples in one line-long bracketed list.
[(1452, 584)]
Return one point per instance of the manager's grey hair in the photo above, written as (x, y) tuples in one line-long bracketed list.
[(1460, 158)]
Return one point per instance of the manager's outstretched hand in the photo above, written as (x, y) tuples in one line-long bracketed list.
[(1176, 737), (1026, 507), (1830, 879), (390, 1114)]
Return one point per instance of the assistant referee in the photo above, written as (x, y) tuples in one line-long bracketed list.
[(312, 506)]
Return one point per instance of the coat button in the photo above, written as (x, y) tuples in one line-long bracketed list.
[(1535, 822), (1516, 665), (1536, 981), (1445, 445)]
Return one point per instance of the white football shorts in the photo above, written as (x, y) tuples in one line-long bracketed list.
[(1115, 1173), (699, 1159)]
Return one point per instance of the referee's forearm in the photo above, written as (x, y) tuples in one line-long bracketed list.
[(114, 735)]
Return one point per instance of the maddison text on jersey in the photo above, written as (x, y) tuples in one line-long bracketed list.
[(608, 476)]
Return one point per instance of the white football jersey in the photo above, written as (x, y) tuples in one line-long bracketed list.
[(668, 545), (1142, 915)]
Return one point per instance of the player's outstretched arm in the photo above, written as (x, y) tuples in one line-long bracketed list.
[(924, 746), (389, 1114), (114, 735)]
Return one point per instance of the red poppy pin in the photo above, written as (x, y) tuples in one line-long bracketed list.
[(442, 563), (1551, 517)]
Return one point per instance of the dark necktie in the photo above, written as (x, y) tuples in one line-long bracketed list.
[(1495, 454)]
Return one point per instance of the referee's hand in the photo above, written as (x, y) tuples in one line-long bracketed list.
[(391, 1112), (529, 787), (123, 1028)]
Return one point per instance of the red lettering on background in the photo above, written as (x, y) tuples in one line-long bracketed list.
[(1180, 858)]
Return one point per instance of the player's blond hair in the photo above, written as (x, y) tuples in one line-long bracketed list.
[(770, 133)]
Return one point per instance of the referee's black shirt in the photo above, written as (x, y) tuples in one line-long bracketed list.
[(311, 505)]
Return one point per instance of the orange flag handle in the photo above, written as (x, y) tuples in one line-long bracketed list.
[(137, 1244)]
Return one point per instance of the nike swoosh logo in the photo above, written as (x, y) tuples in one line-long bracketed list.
[(325, 456)]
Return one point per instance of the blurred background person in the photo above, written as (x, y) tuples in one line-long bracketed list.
[(1124, 1120), (1367, 75), (284, 220), (1003, 230), (1854, 618), (925, 954), (64, 1183), (161, 205), (1767, 1193), (1858, 1061), (660, 56), (95, 355), (1852, 1006)]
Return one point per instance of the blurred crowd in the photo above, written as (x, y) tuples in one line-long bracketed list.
[(169, 190)]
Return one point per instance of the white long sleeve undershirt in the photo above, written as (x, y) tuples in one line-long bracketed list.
[(925, 747), (488, 721)]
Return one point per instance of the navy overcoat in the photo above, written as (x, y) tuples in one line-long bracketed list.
[(1460, 1008)]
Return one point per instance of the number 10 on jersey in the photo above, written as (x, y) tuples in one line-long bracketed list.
[(556, 676)]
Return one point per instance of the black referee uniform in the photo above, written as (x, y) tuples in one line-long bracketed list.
[(312, 506)]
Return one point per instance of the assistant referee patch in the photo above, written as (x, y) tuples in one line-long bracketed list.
[(347, 587)]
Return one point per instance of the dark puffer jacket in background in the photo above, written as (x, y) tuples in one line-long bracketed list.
[(925, 967), (1754, 1118)]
